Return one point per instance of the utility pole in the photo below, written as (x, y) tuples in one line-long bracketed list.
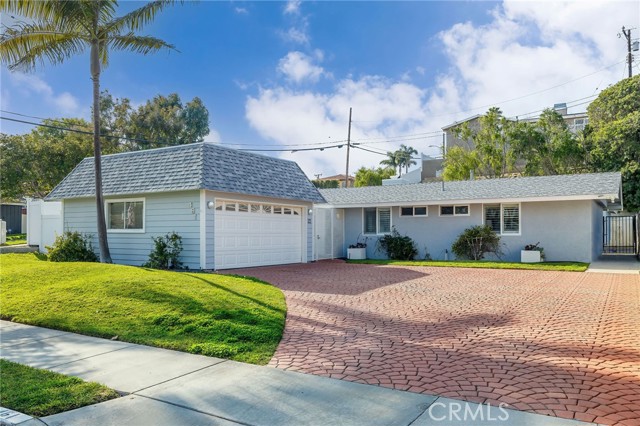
[(317, 175), (627, 35), (346, 175)]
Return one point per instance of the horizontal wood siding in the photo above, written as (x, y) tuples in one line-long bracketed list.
[(167, 212)]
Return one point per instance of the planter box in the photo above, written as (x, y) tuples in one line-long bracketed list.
[(530, 256), (357, 253)]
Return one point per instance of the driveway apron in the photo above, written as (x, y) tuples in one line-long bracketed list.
[(557, 343)]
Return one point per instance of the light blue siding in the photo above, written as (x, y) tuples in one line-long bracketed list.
[(566, 229), (167, 212)]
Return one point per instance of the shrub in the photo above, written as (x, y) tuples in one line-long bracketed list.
[(475, 242), (166, 252), (72, 247), (397, 247)]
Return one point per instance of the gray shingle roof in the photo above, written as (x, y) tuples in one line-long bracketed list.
[(590, 186), (187, 167)]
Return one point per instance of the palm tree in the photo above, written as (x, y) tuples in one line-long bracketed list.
[(406, 154), (392, 161), (57, 30)]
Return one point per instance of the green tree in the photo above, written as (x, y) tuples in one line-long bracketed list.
[(405, 154), (372, 176), (165, 121), (613, 136), (326, 184), (162, 121), (547, 146), (55, 30), (459, 162), (34, 163), (393, 161)]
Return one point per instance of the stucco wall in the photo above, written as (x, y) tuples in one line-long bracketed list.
[(167, 212), (565, 229)]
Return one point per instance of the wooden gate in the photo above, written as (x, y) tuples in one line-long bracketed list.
[(620, 235)]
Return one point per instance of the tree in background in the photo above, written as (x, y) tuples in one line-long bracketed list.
[(372, 176), (393, 161), (57, 30), (613, 136), (547, 146), (162, 121), (405, 155), (34, 163), (459, 163), (326, 184)]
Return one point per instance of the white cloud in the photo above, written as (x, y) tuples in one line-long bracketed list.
[(298, 67), (296, 35), (30, 85), (529, 47), (241, 10), (381, 108), (292, 7), (526, 47), (213, 136)]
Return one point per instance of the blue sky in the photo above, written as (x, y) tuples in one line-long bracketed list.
[(279, 74)]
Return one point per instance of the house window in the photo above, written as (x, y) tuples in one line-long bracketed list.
[(125, 215), (503, 218), (454, 210), (377, 220), (413, 211)]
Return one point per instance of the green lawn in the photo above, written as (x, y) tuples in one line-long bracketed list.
[(42, 393), (16, 239), (544, 266), (216, 315)]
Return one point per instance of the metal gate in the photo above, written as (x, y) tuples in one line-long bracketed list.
[(620, 235)]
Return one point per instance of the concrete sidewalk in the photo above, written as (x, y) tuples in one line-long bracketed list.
[(163, 387), (616, 265)]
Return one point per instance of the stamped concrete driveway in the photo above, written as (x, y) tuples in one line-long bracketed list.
[(557, 343)]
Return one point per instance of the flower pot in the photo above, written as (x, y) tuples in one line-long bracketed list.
[(357, 253), (530, 256)]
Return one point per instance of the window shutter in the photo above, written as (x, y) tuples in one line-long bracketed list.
[(384, 221), (492, 217), (511, 219)]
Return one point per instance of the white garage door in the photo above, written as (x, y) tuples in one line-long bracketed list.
[(256, 234)]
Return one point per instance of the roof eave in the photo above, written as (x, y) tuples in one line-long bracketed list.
[(423, 202)]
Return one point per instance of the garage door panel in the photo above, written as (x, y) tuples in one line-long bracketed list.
[(260, 237)]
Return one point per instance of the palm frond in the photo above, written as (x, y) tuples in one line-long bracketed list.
[(138, 44), (21, 48), (137, 19)]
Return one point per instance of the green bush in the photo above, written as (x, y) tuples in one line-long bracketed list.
[(397, 247), (72, 247), (166, 253), (475, 242)]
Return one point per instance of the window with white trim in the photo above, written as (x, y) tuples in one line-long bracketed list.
[(125, 215), (377, 220), (504, 219), (413, 211), (462, 210)]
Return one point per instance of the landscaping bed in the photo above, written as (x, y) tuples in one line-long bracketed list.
[(216, 315), (42, 393), (544, 266)]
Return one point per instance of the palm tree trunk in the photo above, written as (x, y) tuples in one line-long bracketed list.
[(105, 256)]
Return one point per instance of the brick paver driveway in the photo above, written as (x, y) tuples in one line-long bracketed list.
[(557, 343)]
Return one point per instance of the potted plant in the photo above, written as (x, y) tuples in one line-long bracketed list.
[(357, 251), (532, 253)]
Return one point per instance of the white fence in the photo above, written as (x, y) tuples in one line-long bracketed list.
[(44, 223)]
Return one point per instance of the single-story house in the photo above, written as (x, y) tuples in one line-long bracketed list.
[(231, 208), (564, 213)]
